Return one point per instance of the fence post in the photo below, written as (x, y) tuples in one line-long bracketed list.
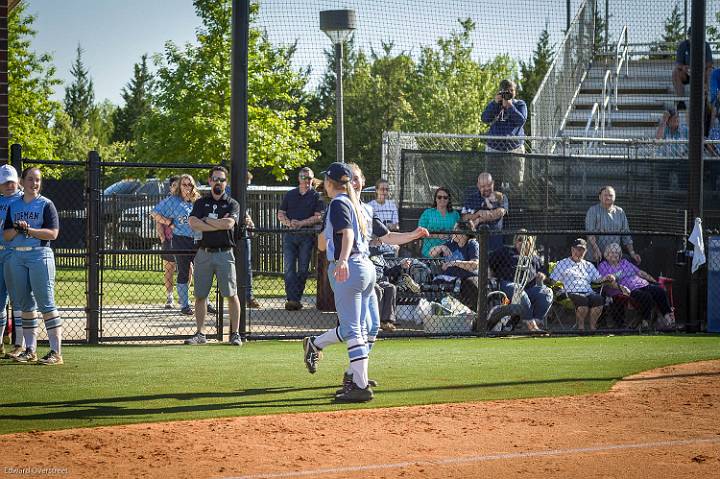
[(482, 301), (92, 237), (16, 157)]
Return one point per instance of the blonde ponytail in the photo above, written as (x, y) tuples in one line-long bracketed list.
[(348, 189)]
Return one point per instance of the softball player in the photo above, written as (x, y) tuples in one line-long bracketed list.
[(175, 210), (314, 345), (10, 193), (30, 224)]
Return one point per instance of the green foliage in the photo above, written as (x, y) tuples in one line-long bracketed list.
[(102, 121), (387, 91), (108, 387), (673, 33), (80, 94), (31, 81), (713, 31), (136, 95), (534, 71), (600, 39), (191, 122)]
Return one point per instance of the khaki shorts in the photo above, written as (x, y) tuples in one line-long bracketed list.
[(222, 265)]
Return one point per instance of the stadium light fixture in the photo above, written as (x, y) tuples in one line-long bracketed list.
[(337, 25)]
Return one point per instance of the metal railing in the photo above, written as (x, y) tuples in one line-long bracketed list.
[(554, 100), (620, 59)]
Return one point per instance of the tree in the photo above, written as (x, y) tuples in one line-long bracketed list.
[(102, 121), (449, 90), (600, 39), (713, 32), (31, 82), (533, 72), (136, 95), (673, 33), (191, 122), (80, 94)]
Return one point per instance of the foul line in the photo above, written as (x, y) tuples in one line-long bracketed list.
[(489, 457)]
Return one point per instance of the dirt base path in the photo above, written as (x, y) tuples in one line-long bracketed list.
[(662, 423)]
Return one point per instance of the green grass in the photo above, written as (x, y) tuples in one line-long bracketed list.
[(144, 287), (102, 385)]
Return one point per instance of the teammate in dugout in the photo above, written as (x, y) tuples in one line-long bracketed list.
[(31, 224), (345, 237)]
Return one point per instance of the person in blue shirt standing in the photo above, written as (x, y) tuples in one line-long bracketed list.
[(31, 224), (301, 209), (10, 193), (506, 117), (174, 211)]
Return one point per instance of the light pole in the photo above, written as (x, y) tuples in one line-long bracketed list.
[(337, 25)]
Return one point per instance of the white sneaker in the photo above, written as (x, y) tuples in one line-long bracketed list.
[(169, 304)]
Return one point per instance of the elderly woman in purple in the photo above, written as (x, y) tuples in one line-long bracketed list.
[(636, 283)]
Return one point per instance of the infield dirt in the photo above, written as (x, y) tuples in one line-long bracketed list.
[(658, 424)]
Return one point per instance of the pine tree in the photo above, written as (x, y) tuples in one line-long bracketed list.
[(533, 72), (673, 33), (136, 96), (80, 95)]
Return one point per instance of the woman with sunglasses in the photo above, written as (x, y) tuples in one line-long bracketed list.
[(31, 224), (441, 217), (174, 211)]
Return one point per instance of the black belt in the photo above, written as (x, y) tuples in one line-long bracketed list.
[(216, 250)]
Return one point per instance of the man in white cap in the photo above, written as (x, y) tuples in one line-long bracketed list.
[(10, 192)]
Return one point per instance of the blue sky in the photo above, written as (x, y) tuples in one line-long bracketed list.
[(115, 33)]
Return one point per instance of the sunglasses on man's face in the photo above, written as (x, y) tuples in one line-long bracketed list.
[(305, 178), (219, 180)]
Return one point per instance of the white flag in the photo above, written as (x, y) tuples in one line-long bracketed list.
[(696, 238)]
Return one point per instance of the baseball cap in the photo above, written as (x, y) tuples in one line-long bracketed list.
[(8, 173), (338, 172), (579, 243)]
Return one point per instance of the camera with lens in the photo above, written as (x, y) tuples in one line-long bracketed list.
[(506, 94)]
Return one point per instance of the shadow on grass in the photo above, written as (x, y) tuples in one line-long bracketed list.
[(101, 408)]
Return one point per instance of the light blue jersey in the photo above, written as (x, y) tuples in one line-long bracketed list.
[(4, 204), (39, 213), (178, 210)]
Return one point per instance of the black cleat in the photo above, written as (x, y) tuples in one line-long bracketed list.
[(347, 383), (312, 354), (355, 394)]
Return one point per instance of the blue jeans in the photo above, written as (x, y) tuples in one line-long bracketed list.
[(536, 299), (297, 250)]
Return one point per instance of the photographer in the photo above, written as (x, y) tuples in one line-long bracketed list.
[(506, 117)]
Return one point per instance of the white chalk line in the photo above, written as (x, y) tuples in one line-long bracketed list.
[(483, 458)]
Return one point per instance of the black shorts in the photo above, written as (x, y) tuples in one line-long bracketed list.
[(592, 300), (167, 253)]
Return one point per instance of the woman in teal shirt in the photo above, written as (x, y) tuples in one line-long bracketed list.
[(441, 217)]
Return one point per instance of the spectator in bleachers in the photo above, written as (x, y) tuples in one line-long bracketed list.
[(671, 128), (385, 208), (607, 217), (577, 275), (441, 217), (536, 297), (461, 254), (506, 117), (681, 70), (301, 208), (636, 283), (485, 208)]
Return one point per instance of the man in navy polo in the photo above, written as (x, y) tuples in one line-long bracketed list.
[(300, 210), (485, 208)]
